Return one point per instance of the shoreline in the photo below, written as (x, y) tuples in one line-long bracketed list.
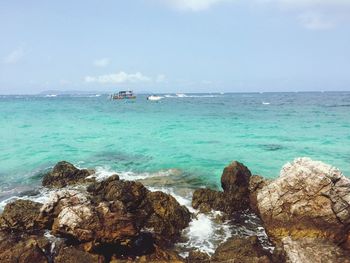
[(187, 225)]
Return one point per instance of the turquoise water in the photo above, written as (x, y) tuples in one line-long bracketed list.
[(198, 134)]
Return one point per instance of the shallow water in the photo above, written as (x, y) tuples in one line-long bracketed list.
[(197, 135)]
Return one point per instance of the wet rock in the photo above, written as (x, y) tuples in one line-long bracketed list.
[(22, 216), (161, 256), (206, 200), (74, 255), (65, 173), (167, 218), (78, 218), (235, 197), (311, 250), (23, 249), (130, 193), (310, 199), (197, 256), (243, 250), (235, 178), (155, 211)]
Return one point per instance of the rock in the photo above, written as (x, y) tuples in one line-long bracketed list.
[(206, 200), (311, 250), (309, 199), (65, 173), (235, 178), (130, 193), (17, 249), (196, 256), (78, 218), (74, 255), (167, 219), (161, 256), (235, 197), (256, 183), (155, 211), (243, 250), (22, 216)]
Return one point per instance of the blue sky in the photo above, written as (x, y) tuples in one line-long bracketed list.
[(174, 45)]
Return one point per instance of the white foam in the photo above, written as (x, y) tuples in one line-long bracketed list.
[(180, 95), (203, 232), (103, 173)]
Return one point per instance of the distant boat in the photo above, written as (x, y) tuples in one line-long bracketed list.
[(154, 98), (122, 95)]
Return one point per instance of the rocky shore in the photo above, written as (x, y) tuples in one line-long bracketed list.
[(305, 213)]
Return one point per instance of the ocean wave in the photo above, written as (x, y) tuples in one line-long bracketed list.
[(204, 232), (191, 96), (103, 173)]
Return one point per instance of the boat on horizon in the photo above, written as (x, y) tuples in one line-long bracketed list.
[(122, 95)]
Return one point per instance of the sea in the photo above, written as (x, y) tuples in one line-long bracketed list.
[(177, 144)]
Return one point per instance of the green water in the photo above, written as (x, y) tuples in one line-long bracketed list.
[(198, 135)]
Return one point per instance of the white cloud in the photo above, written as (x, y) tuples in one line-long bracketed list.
[(315, 21), (309, 3), (118, 78), (15, 56), (194, 5), (101, 63), (311, 14)]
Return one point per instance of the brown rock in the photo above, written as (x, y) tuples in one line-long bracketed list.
[(243, 250), (196, 256), (156, 211), (161, 256), (73, 255), (235, 178), (130, 193), (310, 199), (65, 173), (23, 216), (17, 249), (206, 200), (77, 217), (167, 219), (235, 183)]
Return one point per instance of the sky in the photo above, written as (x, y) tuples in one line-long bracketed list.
[(174, 45)]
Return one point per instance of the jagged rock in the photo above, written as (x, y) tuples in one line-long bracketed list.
[(23, 249), (77, 217), (235, 178), (161, 256), (206, 200), (168, 217), (311, 250), (196, 256), (156, 211), (235, 197), (309, 199), (65, 173), (130, 193), (22, 216), (243, 250), (74, 255), (256, 183)]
